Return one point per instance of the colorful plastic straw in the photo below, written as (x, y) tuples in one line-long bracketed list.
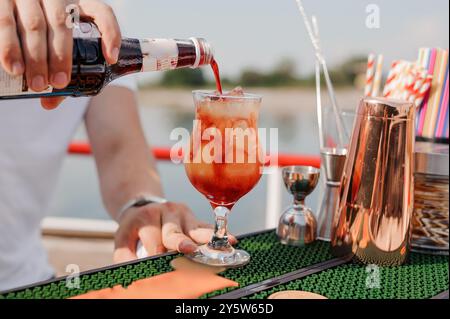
[(424, 59), (430, 67), (443, 107), (446, 124), (435, 94)]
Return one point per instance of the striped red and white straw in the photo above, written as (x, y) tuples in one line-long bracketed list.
[(420, 90), (394, 78), (378, 75), (407, 81), (369, 75)]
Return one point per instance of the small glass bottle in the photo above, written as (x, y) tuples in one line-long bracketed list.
[(91, 73)]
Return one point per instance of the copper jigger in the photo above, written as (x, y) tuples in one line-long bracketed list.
[(297, 225), (375, 205), (333, 160)]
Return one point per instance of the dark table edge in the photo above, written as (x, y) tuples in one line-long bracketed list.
[(285, 278), (114, 266)]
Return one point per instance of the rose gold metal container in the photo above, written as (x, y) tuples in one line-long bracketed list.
[(375, 204)]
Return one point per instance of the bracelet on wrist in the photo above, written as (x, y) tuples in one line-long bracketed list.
[(139, 202)]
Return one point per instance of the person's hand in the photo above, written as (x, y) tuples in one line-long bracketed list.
[(160, 227), (35, 40)]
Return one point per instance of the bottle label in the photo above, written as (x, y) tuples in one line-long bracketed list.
[(159, 54), (16, 85), (10, 85)]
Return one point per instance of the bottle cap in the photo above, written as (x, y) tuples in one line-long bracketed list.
[(204, 53)]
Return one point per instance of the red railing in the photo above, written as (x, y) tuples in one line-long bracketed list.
[(163, 154)]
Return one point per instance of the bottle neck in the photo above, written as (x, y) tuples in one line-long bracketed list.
[(150, 55)]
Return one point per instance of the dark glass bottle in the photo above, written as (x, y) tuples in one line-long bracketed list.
[(90, 72)]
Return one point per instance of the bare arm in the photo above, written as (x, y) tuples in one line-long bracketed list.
[(125, 164)]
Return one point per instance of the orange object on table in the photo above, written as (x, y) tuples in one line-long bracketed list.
[(177, 284)]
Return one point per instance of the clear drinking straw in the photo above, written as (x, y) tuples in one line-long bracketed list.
[(342, 134), (318, 89), (319, 102)]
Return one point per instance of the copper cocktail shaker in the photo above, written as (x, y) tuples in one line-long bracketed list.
[(375, 204)]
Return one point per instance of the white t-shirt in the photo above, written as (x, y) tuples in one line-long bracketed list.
[(33, 143)]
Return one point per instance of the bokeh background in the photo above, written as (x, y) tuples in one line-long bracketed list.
[(263, 46)]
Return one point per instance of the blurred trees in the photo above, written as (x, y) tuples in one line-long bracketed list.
[(282, 74), (183, 77), (349, 70)]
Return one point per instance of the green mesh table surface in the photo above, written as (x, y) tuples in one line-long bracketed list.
[(424, 276)]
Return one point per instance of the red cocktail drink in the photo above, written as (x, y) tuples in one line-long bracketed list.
[(224, 162)]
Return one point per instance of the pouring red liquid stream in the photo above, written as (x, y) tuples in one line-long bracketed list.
[(215, 68)]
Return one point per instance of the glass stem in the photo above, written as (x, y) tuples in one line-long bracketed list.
[(220, 236), (299, 201)]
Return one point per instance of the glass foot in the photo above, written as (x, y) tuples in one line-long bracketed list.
[(228, 257)]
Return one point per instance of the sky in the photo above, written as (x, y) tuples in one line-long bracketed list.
[(259, 33)]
